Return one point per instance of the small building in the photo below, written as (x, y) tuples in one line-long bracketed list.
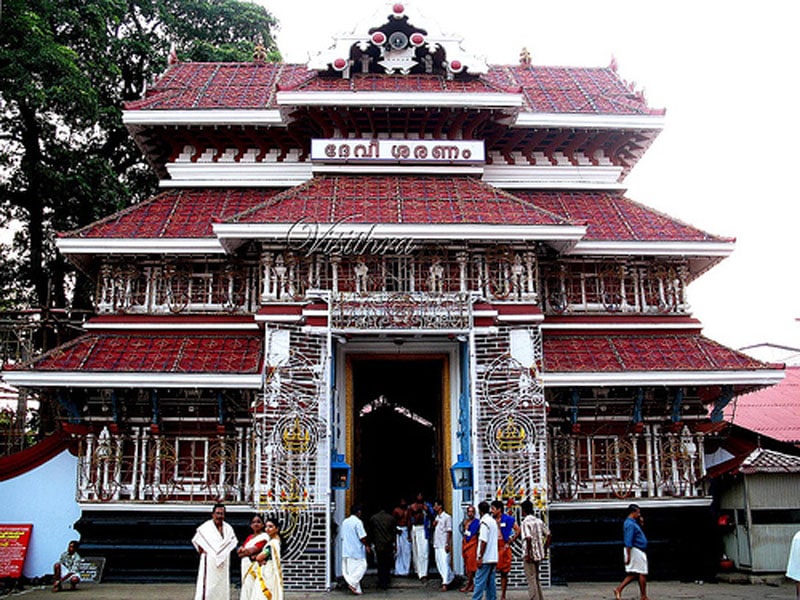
[(759, 509)]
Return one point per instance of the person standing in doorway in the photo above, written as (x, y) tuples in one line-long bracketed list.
[(443, 544), (419, 521), (509, 531), (214, 541), (402, 561), (635, 558), (382, 532), (354, 550), (536, 540), (486, 555)]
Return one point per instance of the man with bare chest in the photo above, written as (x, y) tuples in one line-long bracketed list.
[(402, 562)]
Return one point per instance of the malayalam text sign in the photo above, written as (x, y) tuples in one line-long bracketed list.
[(14, 540)]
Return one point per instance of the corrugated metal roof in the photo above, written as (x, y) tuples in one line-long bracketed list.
[(773, 411)]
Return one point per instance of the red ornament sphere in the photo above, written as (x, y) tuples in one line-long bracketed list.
[(339, 64), (378, 38), (417, 39), (456, 65), (398, 9)]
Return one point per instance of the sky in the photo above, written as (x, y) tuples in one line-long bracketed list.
[(727, 73)]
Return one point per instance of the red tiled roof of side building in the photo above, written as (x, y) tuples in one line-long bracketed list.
[(157, 353), (398, 199), (773, 411), (176, 214), (570, 89), (607, 353), (613, 217), (186, 86)]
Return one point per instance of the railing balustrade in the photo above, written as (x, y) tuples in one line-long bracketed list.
[(142, 466), (652, 464)]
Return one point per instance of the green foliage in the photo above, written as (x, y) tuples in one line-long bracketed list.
[(66, 69)]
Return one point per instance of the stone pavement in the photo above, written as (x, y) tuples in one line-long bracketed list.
[(778, 589)]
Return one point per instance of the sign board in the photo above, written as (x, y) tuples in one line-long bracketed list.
[(14, 540), (91, 568), (375, 151)]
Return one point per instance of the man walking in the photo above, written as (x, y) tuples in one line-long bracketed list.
[(443, 544), (635, 557), (488, 533), (214, 541), (509, 531), (354, 550), (536, 540), (419, 519)]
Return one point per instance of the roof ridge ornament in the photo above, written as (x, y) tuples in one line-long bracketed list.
[(397, 47)]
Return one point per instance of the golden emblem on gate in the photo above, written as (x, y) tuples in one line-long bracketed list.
[(296, 438), (511, 436)]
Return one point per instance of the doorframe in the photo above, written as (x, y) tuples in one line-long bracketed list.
[(416, 349)]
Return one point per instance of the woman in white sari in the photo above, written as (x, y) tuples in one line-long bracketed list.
[(271, 583), (248, 551)]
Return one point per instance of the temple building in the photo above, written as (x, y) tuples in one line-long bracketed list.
[(394, 269)]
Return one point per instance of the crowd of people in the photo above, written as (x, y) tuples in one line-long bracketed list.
[(401, 541)]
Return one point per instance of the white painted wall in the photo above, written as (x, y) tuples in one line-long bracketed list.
[(44, 496)]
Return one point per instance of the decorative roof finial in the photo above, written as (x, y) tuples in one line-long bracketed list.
[(525, 57), (259, 52)]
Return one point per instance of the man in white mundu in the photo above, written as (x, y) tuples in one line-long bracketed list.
[(443, 544), (214, 540), (354, 549)]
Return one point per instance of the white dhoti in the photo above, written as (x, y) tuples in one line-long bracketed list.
[(443, 565), (353, 570), (793, 565), (213, 575), (402, 562), (419, 547), (638, 562)]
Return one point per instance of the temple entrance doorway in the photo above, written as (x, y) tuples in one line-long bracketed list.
[(397, 435)]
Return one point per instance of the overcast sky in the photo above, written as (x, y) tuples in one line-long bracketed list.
[(727, 73)]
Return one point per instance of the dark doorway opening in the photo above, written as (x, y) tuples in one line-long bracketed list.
[(397, 435)]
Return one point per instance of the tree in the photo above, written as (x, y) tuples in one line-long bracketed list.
[(66, 69)]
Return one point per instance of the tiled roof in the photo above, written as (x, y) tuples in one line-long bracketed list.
[(219, 85), (394, 83), (772, 411), (612, 217), (228, 353), (397, 199), (587, 353), (770, 461), (255, 85), (176, 214), (190, 213), (570, 89)]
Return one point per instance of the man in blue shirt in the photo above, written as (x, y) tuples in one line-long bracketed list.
[(635, 558)]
